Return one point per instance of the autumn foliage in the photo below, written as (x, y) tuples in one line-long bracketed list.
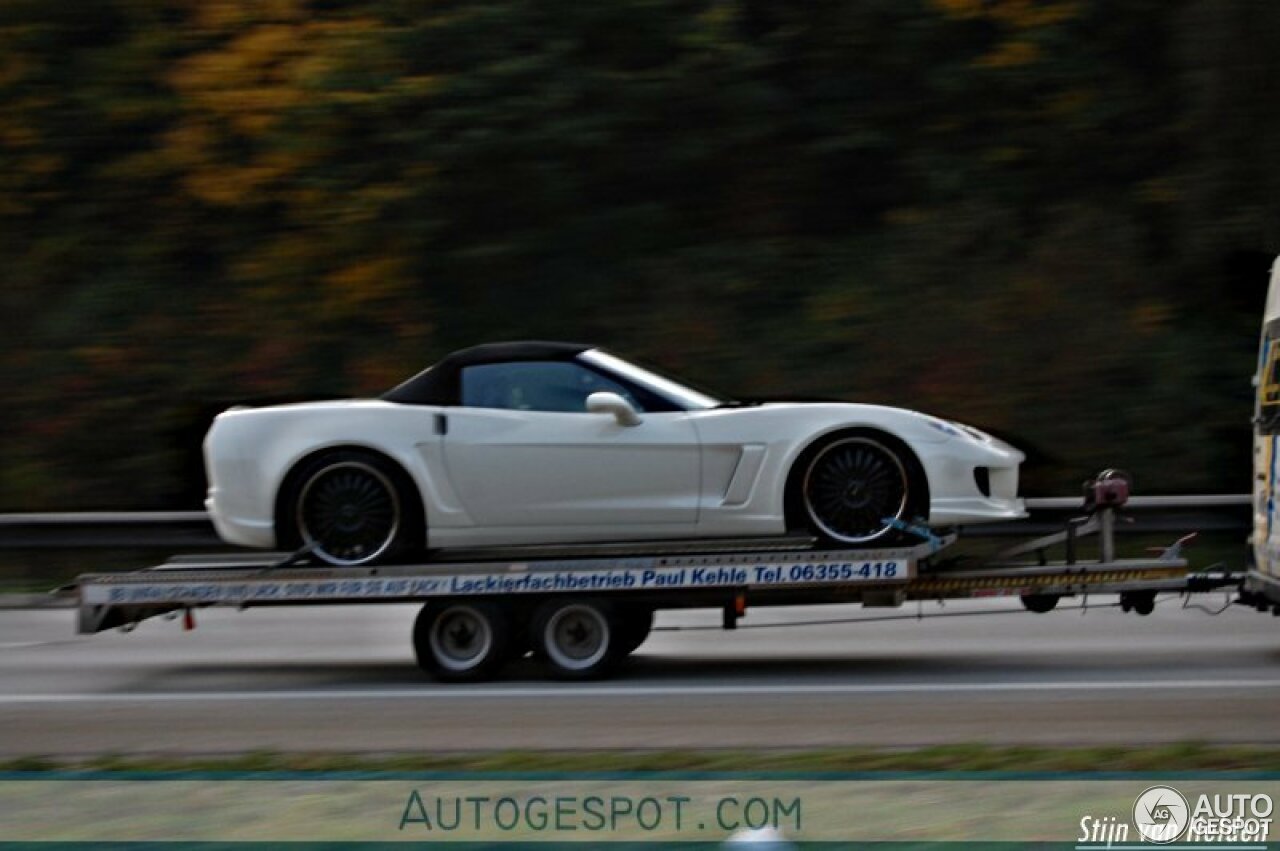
[(1052, 219)]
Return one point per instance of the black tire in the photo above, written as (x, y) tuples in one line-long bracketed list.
[(462, 640), (635, 626), (1142, 602), (357, 508), (1040, 603), (520, 642), (577, 639), (846, 489)]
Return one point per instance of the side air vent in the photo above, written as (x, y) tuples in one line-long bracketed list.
[(982, 477)]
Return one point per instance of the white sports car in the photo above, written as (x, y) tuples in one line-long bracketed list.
[(548, 443)]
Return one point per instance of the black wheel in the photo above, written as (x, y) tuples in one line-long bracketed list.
[(520, 642), (634, 628), (462, 640), (1142, 602), (355, 508), (856, 486), (577, 639), (1040, 603)]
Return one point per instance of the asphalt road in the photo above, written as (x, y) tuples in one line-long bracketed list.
[(343, 679)]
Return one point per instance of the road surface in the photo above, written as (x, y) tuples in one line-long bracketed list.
[(343, 679)]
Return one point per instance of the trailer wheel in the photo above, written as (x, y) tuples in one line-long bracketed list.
[(635, 626), (520, 642), (1142, 602), (578, 639), (1040, 603), (462, 640)]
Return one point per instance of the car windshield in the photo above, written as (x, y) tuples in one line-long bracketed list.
[(682, 394)]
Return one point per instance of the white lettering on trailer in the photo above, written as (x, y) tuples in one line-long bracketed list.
[(523, 581)]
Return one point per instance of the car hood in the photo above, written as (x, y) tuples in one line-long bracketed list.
[(906, 423)]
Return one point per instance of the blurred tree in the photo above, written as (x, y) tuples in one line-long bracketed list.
[(1049, 218)]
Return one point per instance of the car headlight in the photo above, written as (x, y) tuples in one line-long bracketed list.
[(980, 436), (955, 429), (946, 428)]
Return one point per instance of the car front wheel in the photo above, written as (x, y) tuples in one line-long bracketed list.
[(858, 488)]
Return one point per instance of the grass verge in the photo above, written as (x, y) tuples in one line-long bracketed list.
[(1162, 758)]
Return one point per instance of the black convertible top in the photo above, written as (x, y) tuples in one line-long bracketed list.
[(440, 385)]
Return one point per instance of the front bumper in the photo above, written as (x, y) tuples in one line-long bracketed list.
[(974, 481), (241, 531), (951, 511)]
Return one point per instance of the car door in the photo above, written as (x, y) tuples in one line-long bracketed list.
[(522, 450)]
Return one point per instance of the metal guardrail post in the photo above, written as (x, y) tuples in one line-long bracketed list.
[(1107, 534)]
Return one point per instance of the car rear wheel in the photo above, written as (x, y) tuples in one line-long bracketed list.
[(354, 508), (856, 489)]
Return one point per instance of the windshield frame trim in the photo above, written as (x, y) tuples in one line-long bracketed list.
[(680, 395)]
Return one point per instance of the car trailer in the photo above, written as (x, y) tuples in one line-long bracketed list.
[(582, 609)]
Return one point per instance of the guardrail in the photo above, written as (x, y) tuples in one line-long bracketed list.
[(178, 530), (175, 530), (1140, 515)]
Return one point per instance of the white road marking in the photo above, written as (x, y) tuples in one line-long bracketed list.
[(625, 691), (21, 645)]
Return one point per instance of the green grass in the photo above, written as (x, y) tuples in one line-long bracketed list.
[(1164, 758)]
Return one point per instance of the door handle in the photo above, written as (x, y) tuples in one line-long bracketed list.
[(442, 424)]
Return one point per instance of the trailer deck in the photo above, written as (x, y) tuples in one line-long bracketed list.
[(583, 608)]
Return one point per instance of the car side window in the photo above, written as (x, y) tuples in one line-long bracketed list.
[(557, 386)]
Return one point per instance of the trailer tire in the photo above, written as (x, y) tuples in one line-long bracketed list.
[(1141, 602), (462, 640), (520, 643), (636, 624), (577, 639), (1040, 603)]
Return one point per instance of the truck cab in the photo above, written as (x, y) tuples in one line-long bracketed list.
[(1266, 435)]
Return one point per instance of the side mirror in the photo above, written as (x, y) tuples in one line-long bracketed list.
[(612, 403)]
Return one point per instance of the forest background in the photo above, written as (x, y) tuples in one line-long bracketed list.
[(1053, 220)]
